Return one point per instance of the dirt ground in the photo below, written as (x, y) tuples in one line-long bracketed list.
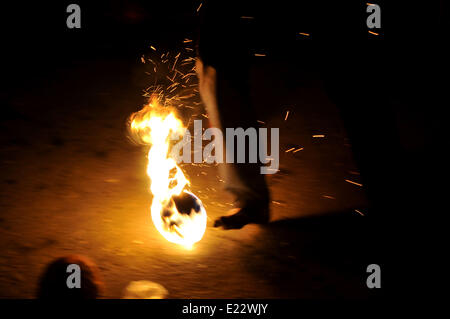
[(73, 183)]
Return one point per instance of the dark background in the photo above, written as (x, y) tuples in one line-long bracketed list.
[(388, 89)]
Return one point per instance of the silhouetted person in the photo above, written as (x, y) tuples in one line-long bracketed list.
[(223, 71), (53, 282)]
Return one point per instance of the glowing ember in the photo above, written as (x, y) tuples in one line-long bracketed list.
[(177, 213)]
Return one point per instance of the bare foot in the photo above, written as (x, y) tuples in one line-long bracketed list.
[(242, 216)]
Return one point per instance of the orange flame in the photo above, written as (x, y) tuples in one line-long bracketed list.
[(154, 125)]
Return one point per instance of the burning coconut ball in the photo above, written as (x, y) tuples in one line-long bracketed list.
[(177, 214), (182, 210)]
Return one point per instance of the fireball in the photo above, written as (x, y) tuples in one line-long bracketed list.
[(177, 214)]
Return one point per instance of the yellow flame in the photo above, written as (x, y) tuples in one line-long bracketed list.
[(154, 125)]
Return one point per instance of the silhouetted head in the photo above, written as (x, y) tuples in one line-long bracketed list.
[(53, 282)]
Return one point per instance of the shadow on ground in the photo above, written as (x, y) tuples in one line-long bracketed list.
[(316, 257)]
